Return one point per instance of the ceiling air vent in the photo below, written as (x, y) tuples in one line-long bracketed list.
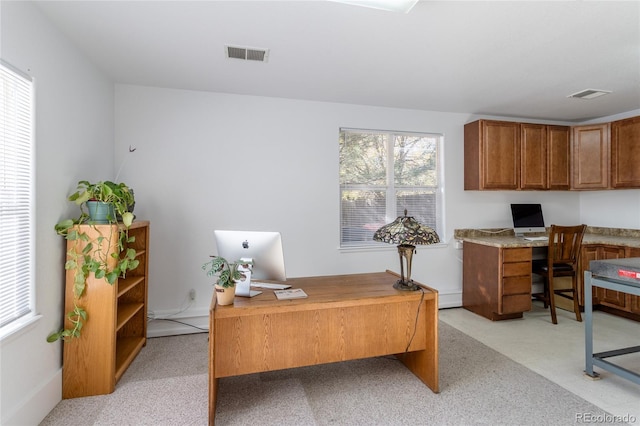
[(247, 53), (589, 94)]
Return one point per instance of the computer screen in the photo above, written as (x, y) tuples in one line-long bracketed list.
[(527, 218), (265, 248)]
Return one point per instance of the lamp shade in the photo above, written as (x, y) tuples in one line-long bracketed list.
[(406, 230)]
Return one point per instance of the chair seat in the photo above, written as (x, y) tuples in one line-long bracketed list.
[(541, 265)]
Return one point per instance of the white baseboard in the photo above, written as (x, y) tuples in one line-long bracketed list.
[(37, 404), (449, 300)]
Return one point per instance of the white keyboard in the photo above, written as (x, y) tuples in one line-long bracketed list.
[(536, 238), (270, 285)]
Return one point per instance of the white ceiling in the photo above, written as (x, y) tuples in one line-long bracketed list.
[(518, 59)]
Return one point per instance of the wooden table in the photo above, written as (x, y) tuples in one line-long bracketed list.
[(344, 317), (623, 285)]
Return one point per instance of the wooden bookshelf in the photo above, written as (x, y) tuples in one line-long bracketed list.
[(116, 326)]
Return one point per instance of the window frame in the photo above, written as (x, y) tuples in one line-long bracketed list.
[(23, 141), (390, 187)]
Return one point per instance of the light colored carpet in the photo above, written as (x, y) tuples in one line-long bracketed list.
[(167, 385)]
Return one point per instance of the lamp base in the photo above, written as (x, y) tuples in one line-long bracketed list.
[(406, 285)]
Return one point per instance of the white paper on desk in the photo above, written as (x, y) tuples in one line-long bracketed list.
[(295, 293)]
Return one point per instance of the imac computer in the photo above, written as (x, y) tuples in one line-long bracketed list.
[(527, 218), (265, 251)]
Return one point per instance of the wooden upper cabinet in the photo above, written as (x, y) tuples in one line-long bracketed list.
[(590, 157), (491, 155), (559, 153), (545, 153), (625, 153), (533, 156), (510, 155)]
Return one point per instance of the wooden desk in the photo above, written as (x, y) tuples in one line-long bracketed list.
[(345, 317), (496, 281), (496, 274)]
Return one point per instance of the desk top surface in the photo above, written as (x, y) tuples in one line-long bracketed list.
[(326, 292), (627, 270)]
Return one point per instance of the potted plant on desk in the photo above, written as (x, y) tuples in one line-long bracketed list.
[(228, 274)]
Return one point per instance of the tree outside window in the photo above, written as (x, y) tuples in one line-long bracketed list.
[(381, 175)]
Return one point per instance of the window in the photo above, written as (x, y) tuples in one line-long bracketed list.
[(381, 175), (16, 197)]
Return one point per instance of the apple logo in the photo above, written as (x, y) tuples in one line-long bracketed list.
[(245, 244)]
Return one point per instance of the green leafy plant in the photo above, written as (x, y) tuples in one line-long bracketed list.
[(228, 273), (89, 255), (117, 194)]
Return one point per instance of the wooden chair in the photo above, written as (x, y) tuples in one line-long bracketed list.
[(562, 261)]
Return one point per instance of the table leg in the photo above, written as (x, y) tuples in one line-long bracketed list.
[(213, 380), (588, 325), (424, 363)]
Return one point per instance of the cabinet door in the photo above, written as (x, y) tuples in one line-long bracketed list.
[(590, 157), (587, 254), (633, 301), (625, 153), (533, 156), (605, 296), (500, 151), (558, 148)]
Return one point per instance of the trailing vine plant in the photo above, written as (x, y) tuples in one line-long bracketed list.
[(87, 255)]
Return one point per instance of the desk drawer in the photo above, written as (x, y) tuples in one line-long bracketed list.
[(516, 269), (516, 255), (516, 285), (516, 303)]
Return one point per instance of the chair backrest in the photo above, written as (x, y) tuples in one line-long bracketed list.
[(565, 243)]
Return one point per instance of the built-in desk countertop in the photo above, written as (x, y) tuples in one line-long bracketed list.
[(497, 268), (505, 238)]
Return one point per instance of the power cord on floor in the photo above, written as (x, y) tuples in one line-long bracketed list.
[(152, 317), (206, 330)]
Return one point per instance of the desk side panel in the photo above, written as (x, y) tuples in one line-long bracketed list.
[(213, 380), (480, 278)]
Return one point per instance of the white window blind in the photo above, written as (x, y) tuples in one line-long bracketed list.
[(382, 174), (16, 195)]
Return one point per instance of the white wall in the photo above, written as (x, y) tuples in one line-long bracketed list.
[(611, 209), (208, 161), (74, 140)]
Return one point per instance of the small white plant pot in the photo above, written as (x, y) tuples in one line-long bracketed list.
[(225, 295)]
